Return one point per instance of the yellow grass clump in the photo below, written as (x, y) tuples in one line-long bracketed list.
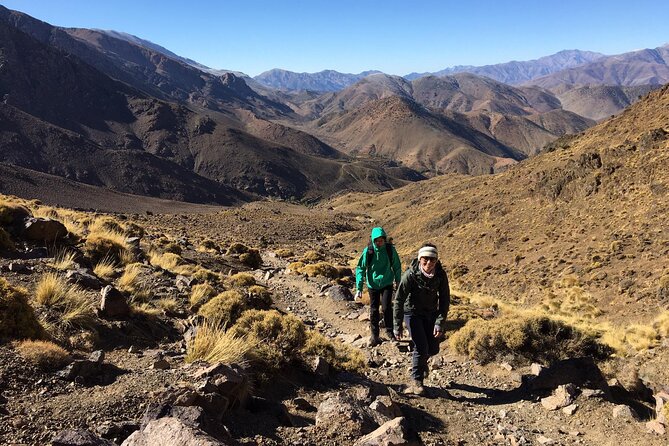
[(225, 308), (252, 258), (200, 293), (69, 301), (529, 337), (105, 268), (284, 253), (168, 304), (213, 344), (321, 269), (661, 324), (64, 260), (242, 280), (311, 257), (259, 297), (11, 212), (173, 263), (17, 317), (101, 244), (340, 356), (44, 354), (237, 248), (295, 267), (278, 338)]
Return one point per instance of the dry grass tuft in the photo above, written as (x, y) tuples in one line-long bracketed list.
[(200, 293), (11, 213), (213, 344), (225, 308), (339, 355), (237, 248), (661, 324), (532, 338), (242, 280), (64, 260), (105, 268), (69, 301), (311, 257), (252, 258), (321, 269), (295, 267), (278, 338), (101, 244), (44, 354), (259, 297), (17, 317), (284, 253), (167, 304)]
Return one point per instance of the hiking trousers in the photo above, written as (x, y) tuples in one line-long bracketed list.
[(384, 298), (421, 330)]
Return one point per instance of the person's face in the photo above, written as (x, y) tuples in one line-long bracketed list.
[(428, 264), (379, 242)]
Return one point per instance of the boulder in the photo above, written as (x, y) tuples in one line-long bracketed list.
[(563, 396), (384, 409), (78, 437), (625, 412), (81, 370), (113, 304), (43, 230), (391, 433), (170, 431), (340, 293), (84, 278), (342, 414)]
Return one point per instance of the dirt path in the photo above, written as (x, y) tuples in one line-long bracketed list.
[(466, 403)]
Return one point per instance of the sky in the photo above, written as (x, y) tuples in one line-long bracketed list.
[(396, 37)]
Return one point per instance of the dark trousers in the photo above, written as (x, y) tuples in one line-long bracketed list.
[(383, 297), (421, 330)]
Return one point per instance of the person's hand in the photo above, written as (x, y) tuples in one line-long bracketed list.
[(398, 333), (358, 295), (437, 331)]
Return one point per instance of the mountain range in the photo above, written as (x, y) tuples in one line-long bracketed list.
[(109, 109)]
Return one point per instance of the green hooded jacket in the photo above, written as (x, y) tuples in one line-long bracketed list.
[(423, 296), (381, 272)]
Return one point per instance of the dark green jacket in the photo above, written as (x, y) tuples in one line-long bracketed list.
[(382, 271), (422, 296)]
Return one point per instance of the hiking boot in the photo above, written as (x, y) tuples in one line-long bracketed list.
[(374, 341), (415, 387)]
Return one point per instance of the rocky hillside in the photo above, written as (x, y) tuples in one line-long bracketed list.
[(583, 221), (599, 102)]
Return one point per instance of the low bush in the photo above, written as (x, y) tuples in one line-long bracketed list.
[(12, 213), (212, 343), (284, 253), (295, 267), (278, 338), (17, 317), (200, 293), (224, 309), (340, 356), (311, 257), (661, 324), (529, 338), (101, 245), (321, 269), (44, 354), (252, 258), (242, 280), (237, 248), (259, 297)]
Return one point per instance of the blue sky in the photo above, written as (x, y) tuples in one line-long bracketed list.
[(396, 37)]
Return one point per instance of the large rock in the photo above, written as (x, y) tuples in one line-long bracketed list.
[(83, 277), (170, 431), (562, 397), (341, 293), (342, 414), (78, 437), (43, 229), (391, 433), (384, 409), (113, 304)]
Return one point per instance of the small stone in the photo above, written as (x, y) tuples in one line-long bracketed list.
[(570, 409), (545, 440), (160, 364), (506, 366), (535, 369), (624, 412), (656, 427)]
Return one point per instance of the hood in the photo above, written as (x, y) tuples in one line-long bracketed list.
[(378, 232)]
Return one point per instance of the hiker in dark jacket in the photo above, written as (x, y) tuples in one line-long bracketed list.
[(421, 302), (379, 266)]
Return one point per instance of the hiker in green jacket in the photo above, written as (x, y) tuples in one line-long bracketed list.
[(421, 303), (379, 266)]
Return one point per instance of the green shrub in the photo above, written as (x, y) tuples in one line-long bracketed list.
[(17, 317), (530, 338), (224, 309)]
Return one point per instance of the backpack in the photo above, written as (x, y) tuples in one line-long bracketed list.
[(370, 252)]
